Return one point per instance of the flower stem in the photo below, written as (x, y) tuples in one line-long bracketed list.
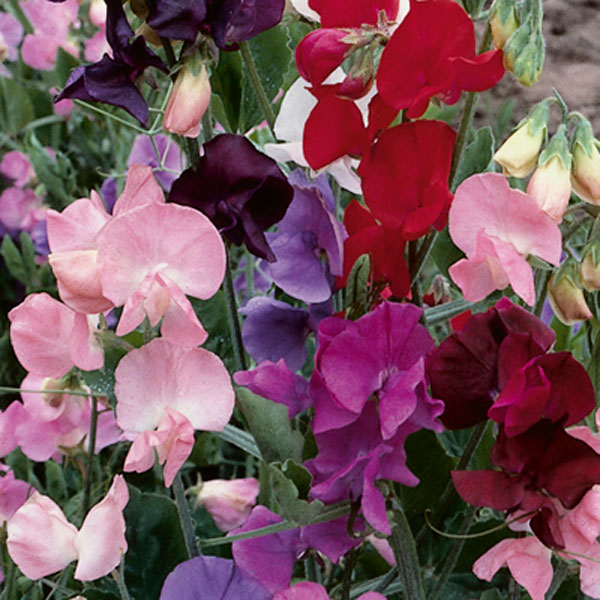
[(447, 496), (89, 477), (560, 574), (232, 317), (185, 518), (119, 577), (453, 554), (542, 279), (257, 86), (405, 553), (347, 575)]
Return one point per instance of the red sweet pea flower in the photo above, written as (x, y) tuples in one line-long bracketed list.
[(353, 13), (334, 128), (320, 52), (385, 247), (432, 53), (405, 177)]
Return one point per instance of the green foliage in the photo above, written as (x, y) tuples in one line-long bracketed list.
[(16, 108), (477, 157), (444, 252), (270, 425), (155, 540), (226, 82)]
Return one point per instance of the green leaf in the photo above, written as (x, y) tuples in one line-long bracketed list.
[(272, 58), (226, 82), (28, 255), (102, 381), (13, 259), (56, 485), (285, 480), (15, 105), (427, 459), (478, 155), (65, 63), (270, 425), (357, 292), (444, 252), (155, 540)]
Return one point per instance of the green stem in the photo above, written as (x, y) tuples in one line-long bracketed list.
[(21, 17), (453, 554), (560, 574), (89, 478), (541, 279), (185, 518), (232, 317), (347, 575), (421, 256), (415, 269), (330, 515), (257, 86), (405, 553), (444, 312), (10, 390), (119, 577), (387, 579), (447, 496), (113, 117)]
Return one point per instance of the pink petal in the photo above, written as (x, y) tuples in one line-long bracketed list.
[(176, 241), (86, 353), (40, 539), (527, 559), (177, 445), (140, 188), (305, 590), (101, 542), (40, 334), (161, 375), (140, 457), (229, 502)]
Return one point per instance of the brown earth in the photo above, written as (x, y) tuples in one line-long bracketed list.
[(572, 34)]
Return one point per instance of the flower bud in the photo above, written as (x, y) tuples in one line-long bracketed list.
[(320, 52), (566, 297), (585, 176), (188, 101), (589, 272), (504, 22), (550, 185), (229, 502), (524, 53), (519, 153)]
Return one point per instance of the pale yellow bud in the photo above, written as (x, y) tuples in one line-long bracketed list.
[(519, 153)]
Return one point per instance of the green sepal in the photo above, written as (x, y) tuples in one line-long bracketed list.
[(558, 146)]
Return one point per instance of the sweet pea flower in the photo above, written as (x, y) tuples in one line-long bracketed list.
[(163, 393), (296, 106), (13, 494), (307, 590), (15, 165), (41, 541), (51, 24), (355, 13), (421, 61), (229, 502), (49, 338), (497, 227), (20, 210), (243, 191), (11, 33)]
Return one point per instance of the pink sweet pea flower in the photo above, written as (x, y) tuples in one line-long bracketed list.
[(11, 32), (307, 590), (497, 227), (172, 390), (229, 502), (41, 541), (151, 257), (51, 22), (49, 338), (527, 559), (13, 493), (15, 165)]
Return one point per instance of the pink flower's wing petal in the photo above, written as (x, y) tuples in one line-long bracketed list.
[(40, 539), (527, 559), (40, 334), (75, 228), (86, 353), (178, 444), (305, 590), (140, 457), (140, 188), (101, 540)]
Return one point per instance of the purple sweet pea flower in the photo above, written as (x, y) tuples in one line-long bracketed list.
[(212, 578), (271, 558), (177, 19), (112, 80), (274, 329), (235, 21), (108, 191), (308, 230), (144, 153), (241, 190)]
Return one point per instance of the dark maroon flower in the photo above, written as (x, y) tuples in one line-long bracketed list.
[(242, 191), (112, 80), (177, 19), (235, 21), (469, 368)]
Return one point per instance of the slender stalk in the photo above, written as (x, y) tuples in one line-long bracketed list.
[(89, 475), (405, 553), (330, 515), (447, 496), (560, 574), (183, 508), (453, 554), (347, 575), (21, 17), (257, 86), (10, 390), (119, 577), (310, 568), (514, 591), (387, 579), (542, 278), (108, 115), (232, 317), (415, 288)]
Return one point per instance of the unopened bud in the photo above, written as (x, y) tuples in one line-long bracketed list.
[(566, 297), (585, 175), (524, 53), (519, 153), (589, 271), (188, 101), (504, 22)]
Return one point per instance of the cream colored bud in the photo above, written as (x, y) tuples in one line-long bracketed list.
[(567, 300), (550, 187), (585, 175), (519, 153)]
